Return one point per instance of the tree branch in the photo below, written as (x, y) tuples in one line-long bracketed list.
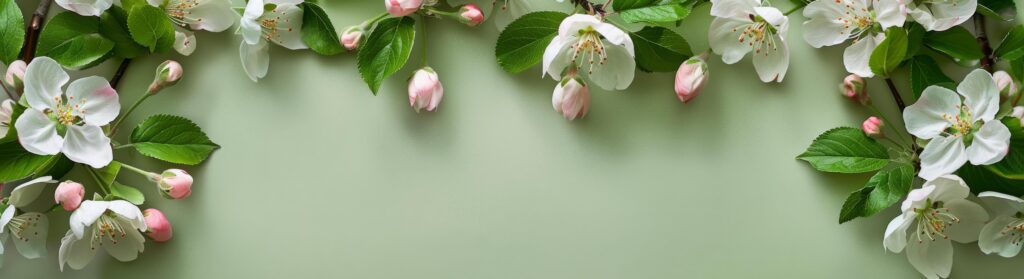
[(987, 61), (116, 79), (895, 94), (34, 27)]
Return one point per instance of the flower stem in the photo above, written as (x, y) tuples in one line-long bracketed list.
[(148, 175), (888, 124), (423, 33), (987, 61), (370, 22), (113, 129), (35, 26), (895, 94)]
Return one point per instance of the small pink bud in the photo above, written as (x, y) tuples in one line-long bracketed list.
[(425, 90), (571, 98), (471, 15), (159, 228), (1018, 112), (1007, 86), (167, 74), (351, 38), (854, 89), (400, 8), (175, 183), (15, 75), (69, 195), (690, 78), (872, 126)]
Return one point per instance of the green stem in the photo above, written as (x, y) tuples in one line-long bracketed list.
[(905, 142), (148, 175), (124, 146), (794, 9), (423, 33), (370, 22), (113, 129)]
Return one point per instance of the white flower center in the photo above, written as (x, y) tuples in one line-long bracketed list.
[(760, 35), (67, 113), (589, 49), (107, 226), (272, 27), (19, 224), (181, 12), (933, 222)]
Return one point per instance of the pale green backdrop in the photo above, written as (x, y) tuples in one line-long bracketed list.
[(319, 178)]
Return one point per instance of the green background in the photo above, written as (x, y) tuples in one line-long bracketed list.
[(319, 178)]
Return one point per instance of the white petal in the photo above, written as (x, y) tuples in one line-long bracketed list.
[(88, 145), (37, 133), (213, 15), (184, 41), (86, 7), (991, 144), (824, 31), (1002, 204), (939, 16), (252, 32), (927, 117), (981, 95), (723, 36), (557, 56), (572, 25), (772, 63), (616, 36), (255, 59), (76, 251), (289, 26), (124, 247), (774, 17), (86, 215), (857, 56), (43, 80), (253, 9), (6, 109), (97, 99), (890, 13), (896, 234), (27, 192), (5, 218), (736, 9), (948, 188), (972, 217), (933, 259), (993, 240), (130, 213), (285, 2), (155, 3), (617, 73), (31, 243), (943, 155)]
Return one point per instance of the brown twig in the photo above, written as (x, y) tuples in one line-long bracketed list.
[(895, 94), (987, 60), (34, 27), (116, 79)]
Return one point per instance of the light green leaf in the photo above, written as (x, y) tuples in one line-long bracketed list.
[(1012, 47), (151, 28), (107, 175), (521, 45), (73, 41), (889, 53), (924, 72), (128, 193), (318, 32), (622, 5), (114, 26), (386, 50), (12, 30), (956, 42), (846, 150), (656, 14), (659, 49), (173, 139)]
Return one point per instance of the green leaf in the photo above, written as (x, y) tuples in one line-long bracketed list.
[(924, 72), (982, 179), (955, 42), (854, 205), (17, 163), (12, 30), (318, 32), (151, 28), (887, 187), (386, 50), (1012, 47), (622, 5), (114, 26), (655, 14), (1012, 166), (659, 49), (890, 52), (57, 166), (915, 38), (128, 193), (845, 150), (173, 139), (73, 41), (521, 45), (107, 175), (1017, 69), (1000, 9)]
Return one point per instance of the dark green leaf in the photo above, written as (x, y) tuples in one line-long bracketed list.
[(659, 49), (114, 26), (73, 41), (890, 52), (521, 45), (887, 187), (655, 14), (386, 50), (622, 5), (12, 30), (924, 72), (982, 179), (16, 163), (1000, 9), (173, 139), (151, 28), (854, 205), (915, 38), (955, 42), (846, 150), (318, 32), (1012, 47)]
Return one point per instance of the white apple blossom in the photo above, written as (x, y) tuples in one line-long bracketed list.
[(187, 15), (932, 216), (1004, 234), (114, 226), (67, 122), (863, 21), (27, 192), (86, 7), (744, 26), (27, 231), (939, 15), (281, 25), (584, 43), (959, 130)]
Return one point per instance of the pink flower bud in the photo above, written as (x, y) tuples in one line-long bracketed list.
[(167, 75), (15, 74), (571, 98), (69, 195), (690, 78), (853, 88), (1018, 112), (159, 228), (872, 126), (471, 15), (175, 183), (401, 8), (351, 38), (425, 90), (1007, 87)]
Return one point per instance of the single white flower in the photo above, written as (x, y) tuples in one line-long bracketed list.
[(939, 15), (209, 15), (934, 214), (67, 122), (27, 230), (1004, 235), (960, 131), (115, 226), (585, 43), (281, 25), (863, 21), (24, 194), (743, 26), (86, 7), (6, 109)]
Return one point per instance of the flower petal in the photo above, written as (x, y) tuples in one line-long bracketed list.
[(896, 234), (890, 13), (972, 218), (943, 155), (772, 63), (75, 252), (255, 59), (557, 56), (184, 41), (618, 72), (31, 242), (926, 118), (98, 103), (86, 7), (723, 37), (940, 15), (616, 36), (289, 26), (253, 9), (123, 247), (775, 17), (572, 25), (948, 188), (933, 259), (857, 56), (37, 133), (88, 145), (1002, 204), (981, 95), (735, 9), (27, 192), (86, 215), (212, 15), (5, 218), (43, 80), (993, 239), (825, 28), (991, 144), (129, 212)]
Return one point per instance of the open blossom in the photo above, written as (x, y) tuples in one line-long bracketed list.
[(932, 216), (86, 7), (425, 90), (159, 228), (941, 15), (281, 25), (27, 192), (1004, 235), (401, 8), (187, 15), (690, 78), (744, 26), (67, 122), (115, 226), (835, 21), (571, 98), (69, 195), (959, 130), (27, 230), (586, 44)]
